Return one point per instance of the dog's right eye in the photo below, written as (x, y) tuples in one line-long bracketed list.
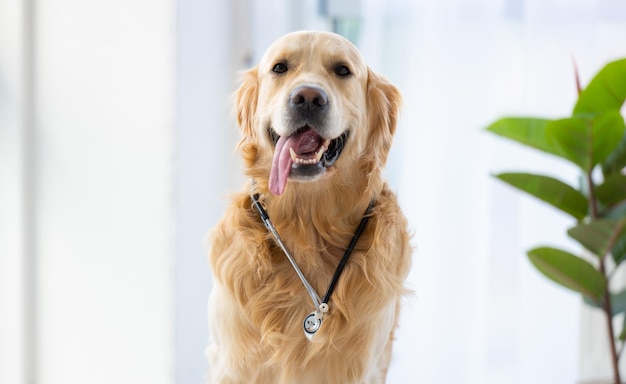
[(342, 71), (279, 68)]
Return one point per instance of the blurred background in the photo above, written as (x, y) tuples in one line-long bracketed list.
[(117, 155)]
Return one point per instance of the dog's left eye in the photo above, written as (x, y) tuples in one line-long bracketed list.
[(280, 68), (342, 70)]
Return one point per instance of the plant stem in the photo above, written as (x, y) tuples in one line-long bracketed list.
[(606, 305), (609, 324), (593, 204)]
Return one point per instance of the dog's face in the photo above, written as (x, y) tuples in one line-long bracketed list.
[(312, 107)]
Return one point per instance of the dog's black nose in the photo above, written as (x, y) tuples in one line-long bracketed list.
[(308, 98)]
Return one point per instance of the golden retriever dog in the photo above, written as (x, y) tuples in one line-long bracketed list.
[(317, 126)]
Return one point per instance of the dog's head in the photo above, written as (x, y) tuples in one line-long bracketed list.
[(313, 111)]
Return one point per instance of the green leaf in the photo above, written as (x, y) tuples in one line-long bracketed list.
[(622, 334), (619, 250), (552, 191), (609, 129), (616, 213), (612, 191), (616, 160), (528, 131), (569, 271), (606, 91), (593, 303), (599, 236), (586, 140), (618, 302)]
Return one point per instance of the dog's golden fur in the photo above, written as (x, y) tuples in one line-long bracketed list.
[(258, 303)]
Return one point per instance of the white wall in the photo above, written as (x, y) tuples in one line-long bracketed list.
[(480, 307), (98, 245), (210, 51), (11, 189)]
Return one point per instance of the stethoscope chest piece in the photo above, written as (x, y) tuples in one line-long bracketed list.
[(311, 325)]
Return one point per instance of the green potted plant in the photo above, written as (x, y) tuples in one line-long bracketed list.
[(593, 139)]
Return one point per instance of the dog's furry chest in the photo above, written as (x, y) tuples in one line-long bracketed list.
[(258, 303), (288, 301), (264, 342)]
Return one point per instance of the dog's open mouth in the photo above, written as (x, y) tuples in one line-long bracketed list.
[(303, 155)]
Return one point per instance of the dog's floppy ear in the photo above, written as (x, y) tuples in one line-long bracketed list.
[(246, 102), (383, 106)]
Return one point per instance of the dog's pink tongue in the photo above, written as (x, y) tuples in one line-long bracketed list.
[(303, 142), (281, 165)]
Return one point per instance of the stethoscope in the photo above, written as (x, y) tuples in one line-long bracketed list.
[(313, 321)]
